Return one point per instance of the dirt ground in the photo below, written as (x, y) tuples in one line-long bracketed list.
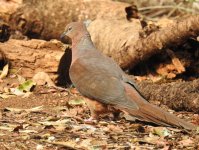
[(51, 119)]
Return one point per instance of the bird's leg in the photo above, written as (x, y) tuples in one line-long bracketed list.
[(96, 109), (115, 112)]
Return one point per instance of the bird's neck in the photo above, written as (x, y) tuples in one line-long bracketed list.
[(81, 45)]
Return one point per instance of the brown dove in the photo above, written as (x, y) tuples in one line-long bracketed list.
[(104, 84)]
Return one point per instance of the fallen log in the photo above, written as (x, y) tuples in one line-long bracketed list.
[(30, 57), (179, 96), (47, 19), (121, 39), (110, 30)]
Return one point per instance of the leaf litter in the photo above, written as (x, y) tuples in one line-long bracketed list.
[(55, 120)]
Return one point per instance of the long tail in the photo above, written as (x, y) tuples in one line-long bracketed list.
[(151, 113)]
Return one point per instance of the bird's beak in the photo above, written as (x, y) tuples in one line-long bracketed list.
[(65, 39), (63, 35)]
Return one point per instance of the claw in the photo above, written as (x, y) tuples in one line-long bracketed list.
[(90, 120)]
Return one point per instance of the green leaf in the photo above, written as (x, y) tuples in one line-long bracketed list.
[(26, 86)]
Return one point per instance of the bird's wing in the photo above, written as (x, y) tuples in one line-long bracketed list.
[(99, 78), (131, 82)]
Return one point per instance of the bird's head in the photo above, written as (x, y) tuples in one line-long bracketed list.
[(74, 30)]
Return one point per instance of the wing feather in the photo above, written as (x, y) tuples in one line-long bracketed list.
[(101, 81)]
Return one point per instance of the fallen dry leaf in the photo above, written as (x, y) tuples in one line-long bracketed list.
[(34, 109), (4, 72), (75, 102), (186, 142), (160, 131), (42, 78), (114, 128)]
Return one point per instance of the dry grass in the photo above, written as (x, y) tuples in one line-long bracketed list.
[(165, 8)]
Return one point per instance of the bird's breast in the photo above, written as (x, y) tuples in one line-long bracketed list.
[(78, 73)]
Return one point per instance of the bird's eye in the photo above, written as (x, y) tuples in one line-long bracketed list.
[(70, 28)]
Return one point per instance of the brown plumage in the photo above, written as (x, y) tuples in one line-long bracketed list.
[(103, 83)]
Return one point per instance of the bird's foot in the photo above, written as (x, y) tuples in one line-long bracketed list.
[(90, 120)]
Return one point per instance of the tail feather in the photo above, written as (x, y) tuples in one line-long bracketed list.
[(151, 113)]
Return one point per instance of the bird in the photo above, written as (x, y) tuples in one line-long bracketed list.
[(106, 87)]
